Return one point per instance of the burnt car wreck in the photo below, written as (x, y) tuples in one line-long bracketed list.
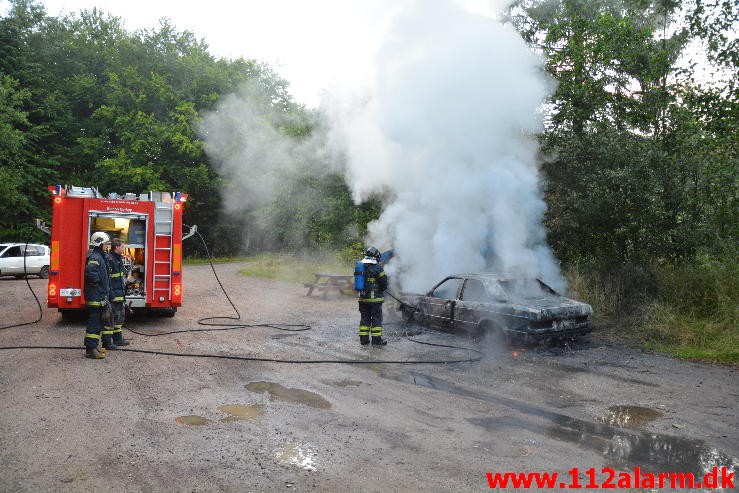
[(519, 309)]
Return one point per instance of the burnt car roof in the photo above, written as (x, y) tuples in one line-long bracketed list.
[(496, 276)]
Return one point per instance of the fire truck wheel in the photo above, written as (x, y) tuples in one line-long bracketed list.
[(44, 272), (72, 315), (169, 312)]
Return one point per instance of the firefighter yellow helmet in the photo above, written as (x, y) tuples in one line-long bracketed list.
[(99, 238)]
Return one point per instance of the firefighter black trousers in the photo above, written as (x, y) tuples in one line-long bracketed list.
[(370, 317), (94, 326)]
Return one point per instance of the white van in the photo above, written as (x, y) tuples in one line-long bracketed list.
[(12, 260)]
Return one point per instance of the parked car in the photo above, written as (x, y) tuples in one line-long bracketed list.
[(514, 307), (12, 260)]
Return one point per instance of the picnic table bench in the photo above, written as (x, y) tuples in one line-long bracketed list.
[(327, 281)]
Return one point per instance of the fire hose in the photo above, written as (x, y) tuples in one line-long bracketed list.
[(476, 355)]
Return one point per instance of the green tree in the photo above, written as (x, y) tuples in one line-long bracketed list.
[(626, 174)]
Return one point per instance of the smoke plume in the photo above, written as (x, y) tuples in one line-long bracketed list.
[(442, 133), (445, 135), (259, 164)]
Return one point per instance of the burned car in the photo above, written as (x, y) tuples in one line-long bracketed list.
[(522, 309)]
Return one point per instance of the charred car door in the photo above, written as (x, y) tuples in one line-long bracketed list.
[(436, 308), (479, 302)]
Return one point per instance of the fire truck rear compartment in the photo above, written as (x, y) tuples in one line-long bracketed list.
[(132, 230)]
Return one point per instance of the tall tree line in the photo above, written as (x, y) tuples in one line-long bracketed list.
[(85, 102), (639, 155)]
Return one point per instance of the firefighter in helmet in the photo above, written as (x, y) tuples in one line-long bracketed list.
[(371, 298), (97, 292), (113, 329)]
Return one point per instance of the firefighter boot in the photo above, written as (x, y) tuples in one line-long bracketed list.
[(93, 353), (118, 339), (364, 340), (107, 339), (378, 341)]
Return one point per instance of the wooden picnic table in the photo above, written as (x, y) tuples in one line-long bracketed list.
[(328, 281)]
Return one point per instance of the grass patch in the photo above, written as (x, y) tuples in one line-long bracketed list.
[(689, 311), (215, 260), (293, 268), (669, 330)]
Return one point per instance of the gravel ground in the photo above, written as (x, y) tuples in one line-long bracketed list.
[(152, 422)]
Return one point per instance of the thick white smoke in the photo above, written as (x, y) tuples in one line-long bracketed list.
[(445, 135), (257, 162)]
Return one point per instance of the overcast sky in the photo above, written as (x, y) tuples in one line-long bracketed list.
[(313, 44)]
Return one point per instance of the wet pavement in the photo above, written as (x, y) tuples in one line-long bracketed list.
[(381, 421)]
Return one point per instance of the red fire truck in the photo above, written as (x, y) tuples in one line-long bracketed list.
[(149, 223)]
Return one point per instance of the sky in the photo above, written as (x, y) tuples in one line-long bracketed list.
[(314, 44)]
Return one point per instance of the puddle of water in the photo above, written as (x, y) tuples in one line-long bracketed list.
[(297, 455), (280, 393), (240, 412), (629, 416), (651, 451), (192, 420), (631, 448)]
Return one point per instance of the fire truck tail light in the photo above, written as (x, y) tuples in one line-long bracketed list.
[(177, 292), (52, 289)]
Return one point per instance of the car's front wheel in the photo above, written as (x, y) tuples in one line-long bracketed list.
[(407, 312), (494, 329), (44, 272)]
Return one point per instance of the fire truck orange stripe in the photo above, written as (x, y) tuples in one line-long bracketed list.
[(54, 260), (176, 257)]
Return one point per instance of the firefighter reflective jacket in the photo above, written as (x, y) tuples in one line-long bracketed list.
[(375, 284), (97, 279), (117, 278)]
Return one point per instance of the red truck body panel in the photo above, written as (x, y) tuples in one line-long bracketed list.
[(149, 224)]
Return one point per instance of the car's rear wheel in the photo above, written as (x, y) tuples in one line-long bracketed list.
[(44, 272)]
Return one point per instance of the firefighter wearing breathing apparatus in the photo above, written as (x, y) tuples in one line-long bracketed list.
[(97, 292), (113, 329), (372, 284)]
